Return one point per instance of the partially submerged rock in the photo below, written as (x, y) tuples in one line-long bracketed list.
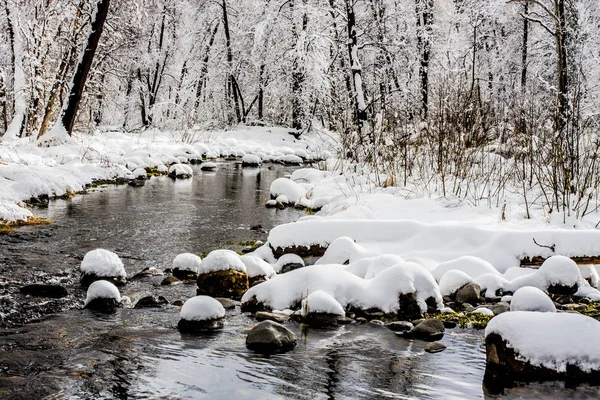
[(151, 302), (102, 296), (430, 330), (469, 293), (434, 347), (222, 274), (180, 171), (44, 290), (321, 310), (101, 264), (200, 314), (270, 337), (186, 266)]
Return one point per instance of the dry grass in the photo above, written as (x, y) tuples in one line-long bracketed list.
[(6, 227)]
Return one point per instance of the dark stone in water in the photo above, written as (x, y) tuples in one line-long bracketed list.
[(137, 182), (227, 304), (267, 316), (53, 291), (290, 267), (151, 301), (87, 279), (399, 326), (186, 326), (184, 275), (170, 280), (229, 284), (103, 305), (270, 337), (321, 320), (434, 347), (430, 330)]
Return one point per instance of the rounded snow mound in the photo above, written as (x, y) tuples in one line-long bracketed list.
[(472, 266), (370, 267), (491, 283), (180, 171), (452, 281), (561, 270), (290, 189), (139, 173), (221, 260), (101, 262), (201, 308), (251, 160), (342, 250), (187, 262), (292, 159), (574, 338), (209, 165), (287, 259), (321, 302), (102, 290), (256, 266), (590, 274), (530, 298)]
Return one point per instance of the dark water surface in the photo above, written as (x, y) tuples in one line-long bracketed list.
[(139, 354)]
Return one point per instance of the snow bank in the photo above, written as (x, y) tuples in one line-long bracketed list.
[(574, 338), (102, 290), (530, 298), (221, 260), (452, 281), (472, 266), (321, 302), (103, 263), (201, 308), (187, 262)]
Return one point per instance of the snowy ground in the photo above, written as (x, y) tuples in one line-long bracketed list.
[(27, 170)]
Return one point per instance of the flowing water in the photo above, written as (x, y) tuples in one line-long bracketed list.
[(139, 354)]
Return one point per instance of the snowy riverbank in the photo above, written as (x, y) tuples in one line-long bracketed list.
[(28, 171)]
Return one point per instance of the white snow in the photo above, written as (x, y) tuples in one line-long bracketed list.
[(484, 311), (590, 273), (221, 260), (292, 159), (103, 263), (491, 283), (287, 259), (251, 159), (574, 338), (256, 266), (452, 281), (201, 308), (102, 290), (321, 302), (472, 266), (181, 170), (139, 173), (341, 250), (529, 298), (187, 262), (290, 189), (556, 270)]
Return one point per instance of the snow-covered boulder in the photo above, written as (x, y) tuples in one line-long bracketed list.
[(343, 250), (370, 267), (251, 160), (201, 313), (472, 266), (257, 269), (452, 281), (288, 262), (291, 159), (590, 274), (140, 173), (529, 298), (209, 165), (102, 296), (557, 275), (222, 274), (528, 346), (186, 266), (492, 284), (270, 337), (290, 189), (321, 310), (102, 264), (180, 171)]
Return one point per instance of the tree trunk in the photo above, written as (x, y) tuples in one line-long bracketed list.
[(204, 66), (424, 32), (524, 47), (83, 68), (356, 70), (232, 91)]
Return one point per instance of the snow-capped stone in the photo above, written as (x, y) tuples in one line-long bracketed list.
[(251, 160), (343, 250), (288, 262), (186, 266), (180, 171), (452, 281), (558, 274), (283, 199), (102, 296), (491, 283), (472, 266), (208, 166), (543, 346), (257, 267), (484, 311), (139, 173), (102, 264), (529, 298), (291, 159), (321, 302), (201, 313), (163, 169), (590, 274), (283, 186), (221, 260), (271, 203)]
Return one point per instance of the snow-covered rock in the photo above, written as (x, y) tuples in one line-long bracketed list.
[(558, 274), (321, 302), (251, 160), (221, 260), (180, 171), (288, 262), (283, 186), (343, 250), (186, 266), (472, 266), (452, 281), (529, 346), (370, 267), (102, 264), (291, 159), (222, 274), (102, 296), (257, 267), (140, 173), (201, 313), (491, 283), (529, 298), (484, 311), (208, 166), (590, 274)]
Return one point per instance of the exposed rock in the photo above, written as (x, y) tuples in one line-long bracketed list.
[(434, 347), (469, 293), (227, 304), (361, 320), (151, 301), (563, 289), (573, 307), (137, 182), (400, 326), (321, 320), (377, 322), (344, 320), (186, 326), (253, 306), (466, 307), (267, 316), (184, 275), (148, 271), (498, 308), (270, 337), (87, 279), (315, 250), (41, 290), (256, 280), (105, 305), (450, 324), (170, 280), (229, 284), (409, 307), (177, 303), (430, 330)]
